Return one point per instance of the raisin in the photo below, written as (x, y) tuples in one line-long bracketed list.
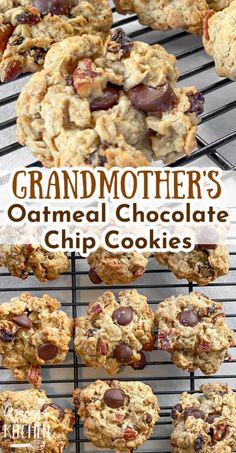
[(177, 408), (37, 54), (120, 43), (16, 41), (164, 340)]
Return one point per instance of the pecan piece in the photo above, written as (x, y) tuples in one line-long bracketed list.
[(149, 346), (164, 340), (11, 70), (218, 432), (204, 345), (34, 375), (5, 33), (95, 310)]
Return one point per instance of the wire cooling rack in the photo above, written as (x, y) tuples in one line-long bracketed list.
[(215, 143)]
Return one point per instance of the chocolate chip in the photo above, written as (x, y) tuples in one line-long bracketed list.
[(123, 316), (94, 277), (194, 412), (148, 99), (211, 418), (6, 335), (208, 238), (23, 321), (108, 99), (47, 351), (37, 54), (57, 407), (142, 362), (114, 398), (177, 408), (197, 101), (147, 418), (53, 6), (198, 444), (189, 318), (123, 353)]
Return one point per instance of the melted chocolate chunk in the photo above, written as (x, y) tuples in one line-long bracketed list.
[(57, 7), (94, 277), (47, 351), (23, 321)]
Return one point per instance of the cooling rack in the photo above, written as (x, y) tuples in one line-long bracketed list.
[(216, 143)]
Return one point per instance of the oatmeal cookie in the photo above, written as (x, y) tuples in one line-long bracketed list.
[(33, 332), (28, 28), (30, 418), (112, 104), (22, 259), (202, 265), (117, 267), (205, 423), (192, 328), (117, 415), (219, 40), (166, 14), (112, 334)]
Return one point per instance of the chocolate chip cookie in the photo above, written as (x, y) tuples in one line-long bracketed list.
[(113, 334), (220, 41), (192, 328), (166, 14), (205, 423), (32, 422), (117, 415), (105, 105), (22, 259), (33, 332), (117, 267), (202, 265), (28, 28)]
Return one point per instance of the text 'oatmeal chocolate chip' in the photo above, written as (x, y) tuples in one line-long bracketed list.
[(123, 353), (194, 412), (94, 277), (189, 318), (148, 99), (123, 316), (47, 351), (142, 362), (53, 6), (114, 398), (106, 101), (23, 321)]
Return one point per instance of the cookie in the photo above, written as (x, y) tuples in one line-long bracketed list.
[(202, 265), (28, 29), (32, 422), (205, 423), (105, 105), (220, 40), (117, 415), (22, 259), (113, 334), (192, 328), (33, 332), (167, 14), (117, 267)]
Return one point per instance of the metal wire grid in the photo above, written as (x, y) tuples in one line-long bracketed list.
[(216, 141)]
